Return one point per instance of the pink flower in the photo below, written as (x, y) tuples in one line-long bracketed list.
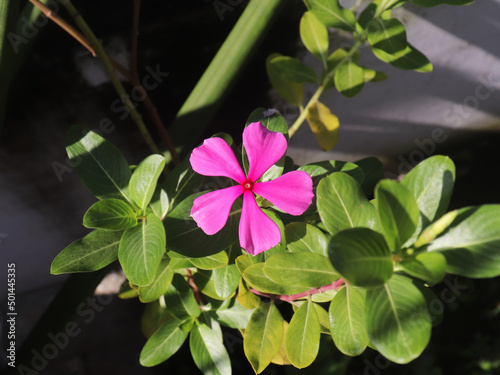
[(291, 192)]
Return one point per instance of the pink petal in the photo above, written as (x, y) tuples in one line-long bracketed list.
[(291, 192), (263, 148), (257, 231), (215, 158), (211, 210)]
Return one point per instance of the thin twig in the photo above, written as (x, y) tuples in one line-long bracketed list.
[(196, 290), (335, 285), (63, 24)]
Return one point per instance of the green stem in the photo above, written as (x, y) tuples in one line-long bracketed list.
[(101, 53), (303, 113)]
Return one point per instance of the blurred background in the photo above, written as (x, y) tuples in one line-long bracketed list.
[(453, 110)]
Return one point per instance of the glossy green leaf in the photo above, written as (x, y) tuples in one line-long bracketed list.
[(431, 183), (397, 319), (342, 204), (371, 75), (331, 14), (211, 262), (303, 238), (314, 35), (388, 35), (144, 179), (263, 336), (300, 270), (164, 343), (337, 58), (141, 250), (163, 278), (204, 280), (428, 266), (91, 253), (290, 91), (292, 69), (435, 229), (209, 354), (235, 316), (270, 118), (320, 169), (226, 280), (361, 256), (409, 59), (185, 237), (111, 214), (256, 278), (99, 164), (349, 79), (324, 124), (397, 211), (245, 297), (372, 171), (347, 321), (302, 337), (323, 317), (180, 300), (471, 242)]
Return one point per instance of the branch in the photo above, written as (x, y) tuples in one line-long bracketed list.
[(335, 285)]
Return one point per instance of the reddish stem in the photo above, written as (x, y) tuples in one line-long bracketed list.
[(335, 285), (196, 291)]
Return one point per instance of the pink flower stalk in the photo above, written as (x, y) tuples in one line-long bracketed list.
[(291, 192)]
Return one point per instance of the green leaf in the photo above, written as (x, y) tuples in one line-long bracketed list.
[(185, 237), (471, 242), (164, 343), (300, 270), (431, 183), (371, 75), (204, 280), (435, 229), (211, 262), (235, 316), (303, 238), (112, 214), (397, 319), (263, 336), (314, 35), (180, 300), (163, 278), (99, 164), (388, 35), (141, 250), (320, 169), (397, 211), (331, 14), (254, 275), (290, 91), (302, 337), (226, 280), (372, 171), (180, 183), (342, 204), (324, 124), (246, 298), (144, 179), (154, 316), (349, 79), (361, 256), (347, 321), (323, 317), (430, 267), (338, 57), (91, 253), (292, 69), (409, 59), (209, 354)]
